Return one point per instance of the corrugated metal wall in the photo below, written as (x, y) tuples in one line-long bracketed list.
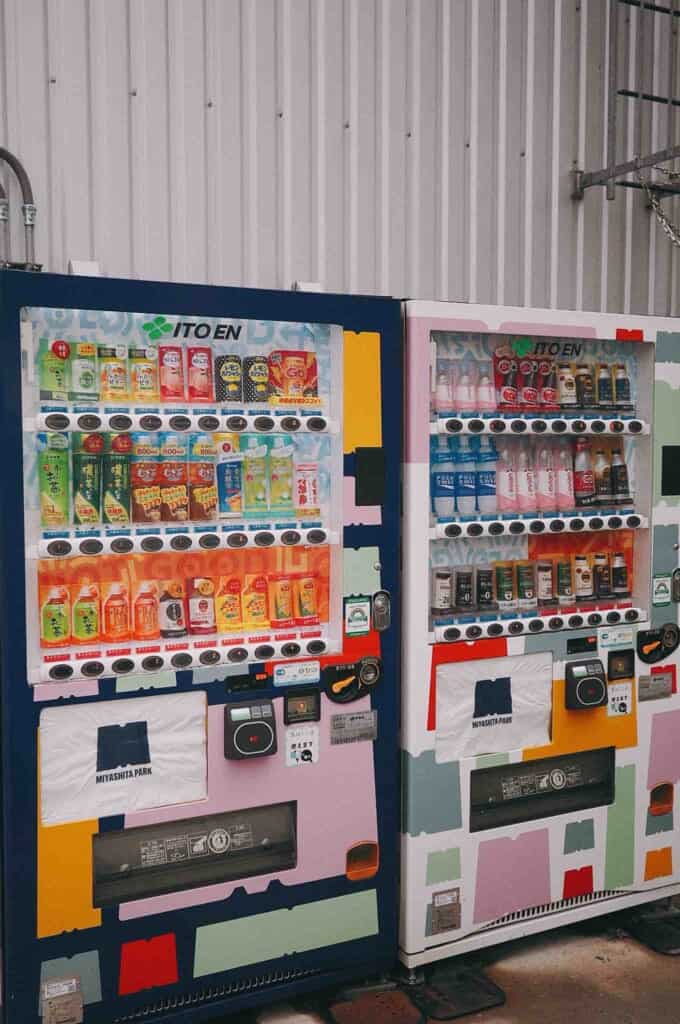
[(417, 147)]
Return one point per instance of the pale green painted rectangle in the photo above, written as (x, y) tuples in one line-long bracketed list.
[(443, 866), (619, 868), (249, 940), (359, 572)]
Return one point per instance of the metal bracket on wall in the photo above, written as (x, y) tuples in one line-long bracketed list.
[(581, 180)]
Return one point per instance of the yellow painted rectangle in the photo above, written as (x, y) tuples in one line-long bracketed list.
[(362, 399)]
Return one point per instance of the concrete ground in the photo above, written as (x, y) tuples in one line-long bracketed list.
[(589, 973)]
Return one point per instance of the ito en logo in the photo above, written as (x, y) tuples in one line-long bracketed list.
[(157, 328)]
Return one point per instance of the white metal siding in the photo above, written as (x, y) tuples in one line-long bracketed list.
[(417, 147)]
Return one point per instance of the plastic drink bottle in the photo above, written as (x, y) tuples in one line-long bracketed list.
[(485, 476), (464, 478), (116, 613), (281, 473), (255, 478), (486, 393), (506, 479), (526, 481), (546, 491), (602, 472), (620, 483), (464, 389), (443, 397), (584, 479), (85, 614), (565, 478), (443, 490)]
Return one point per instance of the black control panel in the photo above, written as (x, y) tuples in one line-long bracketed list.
[(249, 730)]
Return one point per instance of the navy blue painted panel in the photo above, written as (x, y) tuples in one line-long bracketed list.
[(22, 952)]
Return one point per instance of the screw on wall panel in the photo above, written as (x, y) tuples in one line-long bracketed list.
[(377, 566), (346, 124), (52, 81), (279, 113), (133, 92), (210, 103)]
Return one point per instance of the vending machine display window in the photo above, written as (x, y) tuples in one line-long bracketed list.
[(184, 491)]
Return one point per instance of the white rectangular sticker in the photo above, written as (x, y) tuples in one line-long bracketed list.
[(298, 672), (354, 727), (302, 745), (620, 697), (615, 636), (357, 616), (493, 705), (120, 756)]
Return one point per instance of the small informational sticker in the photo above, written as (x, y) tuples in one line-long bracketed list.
[(661, 589), (620, 697), (616, 636), (62, 1001), (354, 727), (357, 616), (445, 910), (657, 685), (298, 672), (302, 745)]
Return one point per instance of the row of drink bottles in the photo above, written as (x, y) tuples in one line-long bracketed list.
[(116, 479), (172, 372), (509, 383), (509, 586), (477, 475), (116, 611)]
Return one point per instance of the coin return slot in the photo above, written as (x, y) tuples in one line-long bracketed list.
[(362, 861)]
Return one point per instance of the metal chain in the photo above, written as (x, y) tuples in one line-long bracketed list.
[(668, 227)]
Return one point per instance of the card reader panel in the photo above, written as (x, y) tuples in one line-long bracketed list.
[(154, 859)]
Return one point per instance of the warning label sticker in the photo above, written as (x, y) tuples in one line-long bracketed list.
[(445, 910)]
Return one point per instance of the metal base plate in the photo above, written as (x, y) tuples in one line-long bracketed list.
[(656, 928), (453, 991)]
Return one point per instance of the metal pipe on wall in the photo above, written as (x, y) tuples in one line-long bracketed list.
[(28, 206)]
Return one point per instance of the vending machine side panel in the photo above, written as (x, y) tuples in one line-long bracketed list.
[(200, 696), (539, 780)]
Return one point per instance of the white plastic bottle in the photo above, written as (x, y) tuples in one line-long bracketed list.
[(443, 492), (464, 478), (485, 476), (464, 391), (486, 393), (526, 481), (565, 477), (546, 490), (506, 478), (443, 397)]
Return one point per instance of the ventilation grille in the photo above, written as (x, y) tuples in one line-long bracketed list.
[(207, 995), (552, 908)]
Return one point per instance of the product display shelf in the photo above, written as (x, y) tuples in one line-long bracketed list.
[(143, 657), (180, 420), (537, 621), (74, 542), (516, 425), (587, 520)]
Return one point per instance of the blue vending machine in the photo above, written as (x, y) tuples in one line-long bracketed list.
[(200, 645)]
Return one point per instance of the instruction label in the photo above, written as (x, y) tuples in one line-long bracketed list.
[(299, 672), (302, 745), (357, 616), (661, 589), (445, 910), (620, 696), (355, 727)]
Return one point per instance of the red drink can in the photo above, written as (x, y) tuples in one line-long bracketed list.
[(200, 373)]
